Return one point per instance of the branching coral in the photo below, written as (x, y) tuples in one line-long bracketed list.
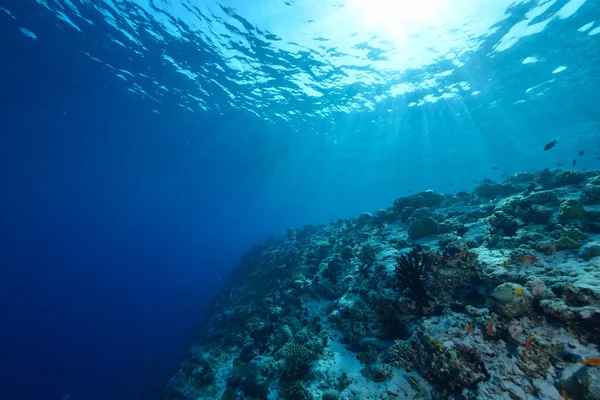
[(296, 390), (409, 275), (297, 358)]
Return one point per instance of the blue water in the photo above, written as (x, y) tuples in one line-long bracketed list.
[(145, 145)]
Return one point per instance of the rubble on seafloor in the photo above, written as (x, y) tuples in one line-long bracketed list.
[(493, 294)]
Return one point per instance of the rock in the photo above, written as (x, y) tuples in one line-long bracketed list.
[(581, 317), (580, 293), (570, 210), (449, 225), (537, 214), (565, 243), (256, 381), (443, 358), (589, 251), (508, 225), (584, 384), (592, 213), (539, 290), (330, 395), (591, 194), (548, 248), (422, 224), (536, 361)]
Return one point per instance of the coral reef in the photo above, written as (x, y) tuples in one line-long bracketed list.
[(493, 294)]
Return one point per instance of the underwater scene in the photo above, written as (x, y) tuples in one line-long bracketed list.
[(300, 199)]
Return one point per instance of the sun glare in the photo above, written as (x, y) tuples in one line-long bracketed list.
[(399, 19)]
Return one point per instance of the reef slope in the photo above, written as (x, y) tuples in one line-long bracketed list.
[(493, 294)]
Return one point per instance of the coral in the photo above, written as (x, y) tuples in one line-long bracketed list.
[(336, 311), (367, 255), (421, 223), (296, 390), (346, 253), (400, 354), (590, 194), (537, 214), (489, 189), (568, 177), (378, 372), (297, 358), (570, 210), (409, 275), (334, 269), (502, 222), (363, 220), (451, 363), (255, 325)]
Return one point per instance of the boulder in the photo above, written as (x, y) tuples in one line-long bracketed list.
[(589, 251)]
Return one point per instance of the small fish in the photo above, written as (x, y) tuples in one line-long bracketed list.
[(462, 254), (469, 328), (505, 263), (495, 168), (494, 198), (564, 395), (490, 328), (529, 343), (574, 162), (581, 153), (530, 389), (415, 384), (503, 295), (592, 361), (529, 259), (518, 291), (559, 164), (550, 145), (409, 190)]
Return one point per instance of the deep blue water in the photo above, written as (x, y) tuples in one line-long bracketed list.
[(141, 154)]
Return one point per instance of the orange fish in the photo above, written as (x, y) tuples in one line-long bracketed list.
[(564, 395), (592, 361), (529, 343), (462, 253), (490, 328), (470, 328), (529, 259)]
